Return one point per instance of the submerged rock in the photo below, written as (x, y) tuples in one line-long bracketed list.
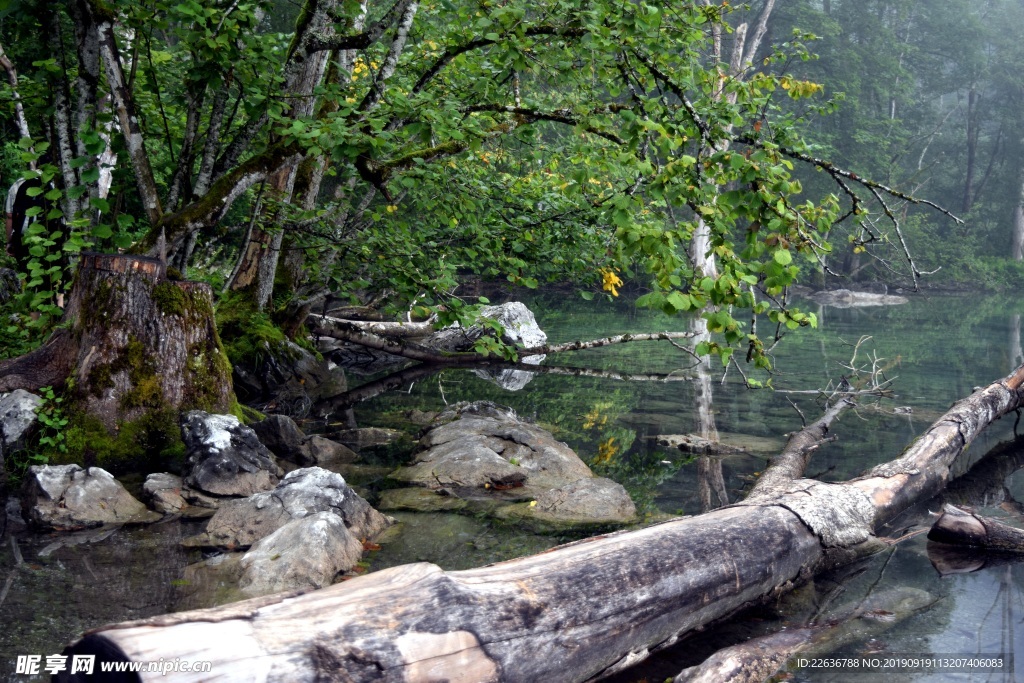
[(224, 457), (303, 492), (286, 440), (845, 298), (305, 553), (481, 444), (68, 497), (483, 452), (162, 491)]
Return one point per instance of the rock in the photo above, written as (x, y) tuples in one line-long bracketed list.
[(588, 500), (17, 419), (303, 492), (327, 453), (692, 443), (15, 521), (282, 436), (305, 553), (419, 499), (10, 284), (285, 373), (484, 456), (367, 437), (489, 446), (163, 492), (68, 497), (224, 457), (845, 298), (520, 326)]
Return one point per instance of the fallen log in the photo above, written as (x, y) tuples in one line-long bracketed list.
[(568, 614), (959, 527)]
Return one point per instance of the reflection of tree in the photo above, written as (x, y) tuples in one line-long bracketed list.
[(1016, 355), (710, 481)]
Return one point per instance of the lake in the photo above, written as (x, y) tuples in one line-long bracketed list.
[(934, 350)]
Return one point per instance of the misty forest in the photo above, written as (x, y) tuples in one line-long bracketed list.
[(485, 340)]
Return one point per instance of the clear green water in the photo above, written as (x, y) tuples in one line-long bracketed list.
[(934, 348)]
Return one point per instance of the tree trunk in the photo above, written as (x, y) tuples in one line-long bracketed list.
[(134, 342), (570, 613)]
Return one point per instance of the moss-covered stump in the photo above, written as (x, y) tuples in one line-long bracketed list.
[(133, 349)]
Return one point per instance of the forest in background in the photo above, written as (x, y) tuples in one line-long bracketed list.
[(383, 153)]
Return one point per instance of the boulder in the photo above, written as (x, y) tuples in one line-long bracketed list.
[(596, 500), (285, 373), (305, 553), (481, 444), (367, 437), (282, 436), (326, 453), (303, 492), (483, 454), (163, 493), (224, 457), (520, 327), (66, 497), (17, 419)]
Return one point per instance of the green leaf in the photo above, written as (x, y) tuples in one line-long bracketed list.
[(783, 257)]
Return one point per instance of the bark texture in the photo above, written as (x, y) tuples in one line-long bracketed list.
[(133, 342)]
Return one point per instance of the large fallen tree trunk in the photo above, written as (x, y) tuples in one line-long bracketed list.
[(570, 613)]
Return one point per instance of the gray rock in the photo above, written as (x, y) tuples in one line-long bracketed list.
[(419, 499), (17, 419), (282, 436), (520, 326), (303, 492), (163, 492), (305, 553), (489, 445), (286, 372), (484, 446), (15, 521), (588, 500), (367, 437), (327, 453), (67, 497), (10, 284), (224, 457)]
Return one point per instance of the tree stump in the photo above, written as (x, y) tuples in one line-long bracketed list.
[(132, 350)]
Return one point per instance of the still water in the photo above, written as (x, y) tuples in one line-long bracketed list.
[(933, 349)]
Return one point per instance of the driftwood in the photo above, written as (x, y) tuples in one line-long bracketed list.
[(568, 614), (959, 527)]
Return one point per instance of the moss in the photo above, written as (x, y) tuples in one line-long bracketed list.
[(153, 442), (249, 335), (246, 414), (171, 299), (100, 379)]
